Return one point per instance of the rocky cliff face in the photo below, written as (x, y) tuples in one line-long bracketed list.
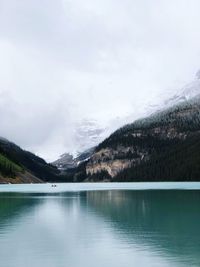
[(115, 160)]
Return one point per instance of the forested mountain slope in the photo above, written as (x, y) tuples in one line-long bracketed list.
[(164, 146), (19, 166)]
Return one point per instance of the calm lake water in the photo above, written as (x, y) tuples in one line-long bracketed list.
[(92, 225)]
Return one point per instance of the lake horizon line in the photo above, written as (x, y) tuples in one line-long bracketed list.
[(104, 186)]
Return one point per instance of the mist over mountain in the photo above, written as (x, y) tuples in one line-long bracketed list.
[(90, 133)]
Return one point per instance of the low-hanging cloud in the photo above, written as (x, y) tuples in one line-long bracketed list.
[(63, 61)]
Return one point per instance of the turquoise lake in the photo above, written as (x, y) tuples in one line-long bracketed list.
[(100, 225)]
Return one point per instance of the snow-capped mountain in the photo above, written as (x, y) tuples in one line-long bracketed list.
[(89, 132), (68, 161)]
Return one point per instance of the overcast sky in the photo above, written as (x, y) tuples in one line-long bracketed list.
[(63, 61)]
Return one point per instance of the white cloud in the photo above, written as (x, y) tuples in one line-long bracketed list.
[(64, 61)]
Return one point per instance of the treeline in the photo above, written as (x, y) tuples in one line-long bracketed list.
[(99, 176), (178, 163), (77, 174), (8, 168), (184, 118), (148, 142)]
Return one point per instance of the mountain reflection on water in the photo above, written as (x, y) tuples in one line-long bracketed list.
[(100, 228), (167, 221)]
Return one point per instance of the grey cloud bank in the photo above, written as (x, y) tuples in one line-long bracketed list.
[(66, 61)]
